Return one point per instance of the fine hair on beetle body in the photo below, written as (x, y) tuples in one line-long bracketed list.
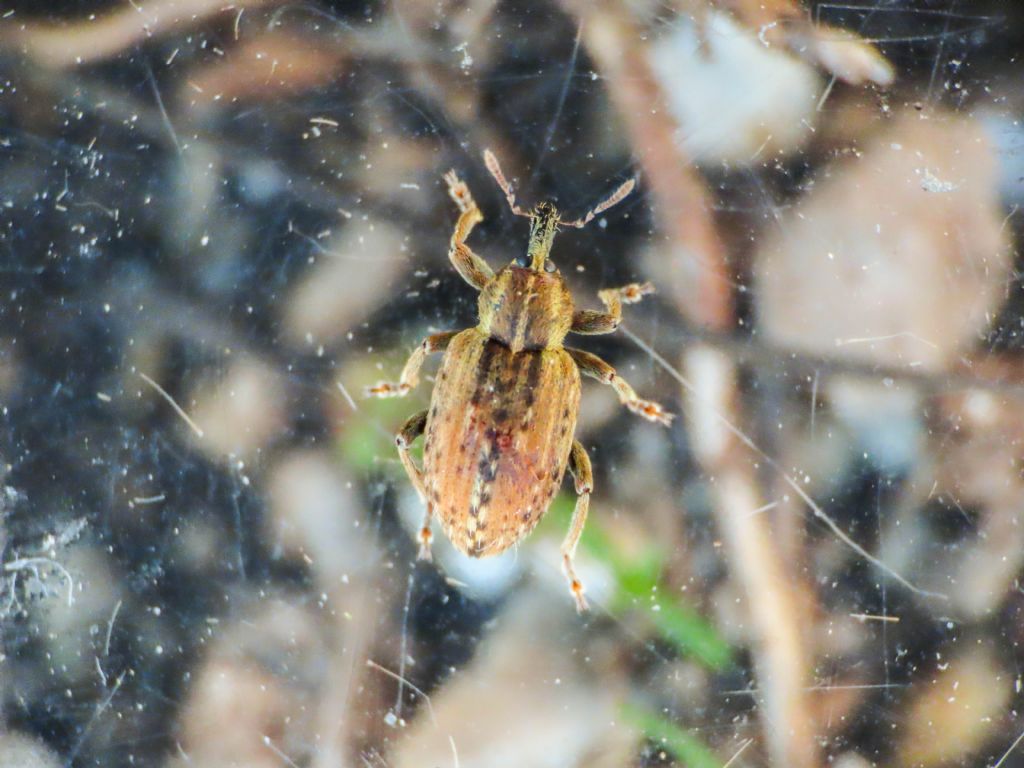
[(499, 432)]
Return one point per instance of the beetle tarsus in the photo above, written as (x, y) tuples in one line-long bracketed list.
[(634, 292), (459, 192), (575, 585)]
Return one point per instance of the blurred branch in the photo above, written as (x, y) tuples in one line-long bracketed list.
[(93, 39), (986, 370), (773, 594), (839, 52), (681, 203)]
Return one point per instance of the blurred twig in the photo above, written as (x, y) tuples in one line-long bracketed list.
[(838, 51), (681, 204), (988, 371), (97, 38), (772, 592)]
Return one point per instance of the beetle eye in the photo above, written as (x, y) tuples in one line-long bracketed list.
[(549, 266), (523, 261)]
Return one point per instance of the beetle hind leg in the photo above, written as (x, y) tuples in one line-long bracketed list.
[(412, 429), (579, 466)]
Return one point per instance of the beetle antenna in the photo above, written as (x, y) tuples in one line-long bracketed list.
[(615, 197), (492, 165)]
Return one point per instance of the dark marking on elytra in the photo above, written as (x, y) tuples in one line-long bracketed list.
[(503, 385), (483, 370), (531, 317), (499, 441), (507, 384), (486, 469), (532, 377)]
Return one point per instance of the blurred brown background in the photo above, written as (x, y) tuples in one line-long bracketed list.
[(220, 221)]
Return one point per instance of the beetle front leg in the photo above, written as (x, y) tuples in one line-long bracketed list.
[(594, 366), (412, 429), (411, 373), (579, 466), (587, 322), (471, 267)]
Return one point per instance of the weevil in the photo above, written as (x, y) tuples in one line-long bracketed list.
[(500, 427)]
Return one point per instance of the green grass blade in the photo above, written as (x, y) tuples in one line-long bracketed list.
[(689, 748), (691, 634)]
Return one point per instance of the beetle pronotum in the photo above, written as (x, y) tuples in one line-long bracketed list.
[(499, 430)]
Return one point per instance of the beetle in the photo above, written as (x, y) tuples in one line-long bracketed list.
[(500, 427)]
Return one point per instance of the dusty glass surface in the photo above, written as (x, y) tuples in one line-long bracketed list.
[(220, 222)]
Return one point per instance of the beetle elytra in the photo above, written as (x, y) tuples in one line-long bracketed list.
[(500, 427)]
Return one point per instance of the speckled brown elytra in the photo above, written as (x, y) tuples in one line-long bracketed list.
[(499, 431)]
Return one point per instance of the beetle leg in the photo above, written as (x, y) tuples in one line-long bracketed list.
[(411, 373), (412, 429), (579, 465), (471, 267), (594, 366), (587, 322)]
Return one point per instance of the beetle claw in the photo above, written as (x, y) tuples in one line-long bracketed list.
[(581, 601), (458, 191), (575, 585), (425, 537)]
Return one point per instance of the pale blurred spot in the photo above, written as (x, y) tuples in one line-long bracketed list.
[(351, 275), (736, 100), (957, 708), (242, 412)]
